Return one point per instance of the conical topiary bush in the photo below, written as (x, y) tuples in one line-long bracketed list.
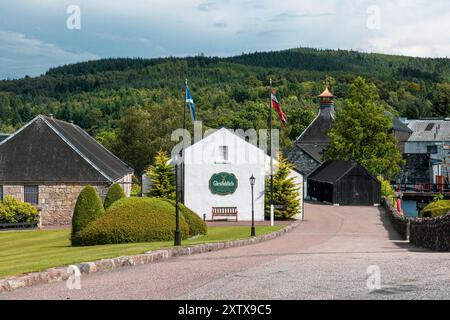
[(114, 193), (88, 208)]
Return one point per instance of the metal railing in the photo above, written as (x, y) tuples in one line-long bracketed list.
[(422, 188)]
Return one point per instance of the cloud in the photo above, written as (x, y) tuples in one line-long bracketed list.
[(207, 6), (38, 39), (23, 55), (220, 24), (281, 17)]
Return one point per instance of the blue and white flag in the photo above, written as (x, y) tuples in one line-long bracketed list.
[(190, 102)]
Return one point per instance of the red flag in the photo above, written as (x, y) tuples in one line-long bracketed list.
[(277, 107)]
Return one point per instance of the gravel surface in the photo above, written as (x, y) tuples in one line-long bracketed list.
[(326, 257)]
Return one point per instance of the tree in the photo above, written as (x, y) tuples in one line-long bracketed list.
[(286, 192), (114, 194), (162, 176), (361, 132), (108, 139), (441, 100), (133, 142), (88, 208), (143, 131)]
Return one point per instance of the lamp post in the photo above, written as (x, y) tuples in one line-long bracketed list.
[(252, 183), (177, 210)]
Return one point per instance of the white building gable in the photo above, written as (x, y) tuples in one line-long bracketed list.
[(224, 152)]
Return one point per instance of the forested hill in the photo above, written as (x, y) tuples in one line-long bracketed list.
[(228, 92)]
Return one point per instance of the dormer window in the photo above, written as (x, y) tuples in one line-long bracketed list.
[(223, 153)]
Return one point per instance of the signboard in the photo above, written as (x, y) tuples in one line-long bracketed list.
[(223, 183)]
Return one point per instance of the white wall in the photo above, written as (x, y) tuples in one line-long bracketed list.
[(299, 181), (202, 160), (126, 183)]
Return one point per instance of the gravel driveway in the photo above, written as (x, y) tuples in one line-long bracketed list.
[(326, 257)]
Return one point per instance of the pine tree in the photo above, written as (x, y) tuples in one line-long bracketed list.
[(286, 192), (361, 132), (163, 177)]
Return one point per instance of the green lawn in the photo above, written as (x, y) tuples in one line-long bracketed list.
[(30, 251)]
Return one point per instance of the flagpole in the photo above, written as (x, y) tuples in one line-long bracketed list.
[(272, 209), (184, 130)]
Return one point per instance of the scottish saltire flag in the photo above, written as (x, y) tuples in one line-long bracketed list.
[(190, 103)]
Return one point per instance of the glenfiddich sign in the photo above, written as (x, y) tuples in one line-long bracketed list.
[(223, 183)]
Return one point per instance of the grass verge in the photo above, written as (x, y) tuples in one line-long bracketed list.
[(31, 251)]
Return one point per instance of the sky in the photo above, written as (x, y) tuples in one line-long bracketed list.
[(36, 35)]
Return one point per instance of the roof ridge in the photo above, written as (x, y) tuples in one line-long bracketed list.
[(65, 140), (101, 145)]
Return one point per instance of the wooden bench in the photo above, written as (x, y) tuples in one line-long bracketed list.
[(225, 212)]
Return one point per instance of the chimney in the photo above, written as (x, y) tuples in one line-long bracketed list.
[(326, 100)]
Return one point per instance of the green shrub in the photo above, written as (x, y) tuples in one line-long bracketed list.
[(114, 194), (386, 188), (436, 209), (196, 225), (15, 211), (133, 220), (88, 208)]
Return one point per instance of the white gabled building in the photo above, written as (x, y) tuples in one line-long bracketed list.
[(217, 171)]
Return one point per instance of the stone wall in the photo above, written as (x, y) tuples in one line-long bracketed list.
[(56, 201), (302, 161), (126, 183), (15, 191), (432, 234), (399, 222)]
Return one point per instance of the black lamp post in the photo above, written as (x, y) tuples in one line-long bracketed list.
[(177, 210), (252, 183)]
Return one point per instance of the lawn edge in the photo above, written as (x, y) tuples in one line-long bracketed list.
[(58, 274)]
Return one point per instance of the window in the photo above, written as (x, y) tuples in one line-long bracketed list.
[(429, 127), (223, 152), (31, 194), (432, 149), (1, 193)]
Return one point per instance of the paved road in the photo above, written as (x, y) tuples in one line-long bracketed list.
[(326, 257)]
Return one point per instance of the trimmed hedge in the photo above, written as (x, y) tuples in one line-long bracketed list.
[(89, 207), (196, 225), (115, 193), (431, 233), (133, 220), (15, 211)]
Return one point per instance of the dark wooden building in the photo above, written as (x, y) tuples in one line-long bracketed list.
[(344, 183)]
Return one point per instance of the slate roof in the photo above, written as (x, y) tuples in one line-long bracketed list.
[(429, 130), (315, 139), (397, 125), (50, 150), (3, 136), (333, 170)]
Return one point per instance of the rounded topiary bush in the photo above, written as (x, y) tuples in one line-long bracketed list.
[(133, 220), (196, 225), (115, 193), (89, 207)]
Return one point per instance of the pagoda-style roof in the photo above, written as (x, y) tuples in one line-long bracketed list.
[(326, 94)]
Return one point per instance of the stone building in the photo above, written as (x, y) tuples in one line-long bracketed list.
[(306, 154), (48, 162), (429, 140)]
